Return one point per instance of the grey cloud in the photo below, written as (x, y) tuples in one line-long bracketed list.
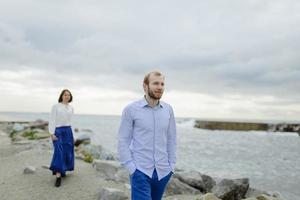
[(248, 47)]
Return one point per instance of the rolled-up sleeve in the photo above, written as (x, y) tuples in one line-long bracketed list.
[(171, 143), (124, 141)]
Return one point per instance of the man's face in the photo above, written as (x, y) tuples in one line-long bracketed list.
[(156, 86)]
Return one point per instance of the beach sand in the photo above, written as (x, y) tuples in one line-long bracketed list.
[(83, 183)]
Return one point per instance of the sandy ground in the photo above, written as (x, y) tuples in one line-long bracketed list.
[(83, 183)]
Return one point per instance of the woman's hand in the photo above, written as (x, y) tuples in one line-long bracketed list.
[(53, 137)]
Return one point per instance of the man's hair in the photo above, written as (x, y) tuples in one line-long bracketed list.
[(60, 99), (155, 73)]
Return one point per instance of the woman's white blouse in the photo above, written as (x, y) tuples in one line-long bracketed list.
[(61, 115)]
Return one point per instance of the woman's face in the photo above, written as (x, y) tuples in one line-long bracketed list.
[(66, 97)]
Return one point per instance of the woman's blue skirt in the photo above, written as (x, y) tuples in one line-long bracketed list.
[(63, 156)]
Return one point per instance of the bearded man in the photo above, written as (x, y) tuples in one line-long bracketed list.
[(147, 141)]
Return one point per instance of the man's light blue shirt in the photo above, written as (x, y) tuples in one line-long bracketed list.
[(147, 138)]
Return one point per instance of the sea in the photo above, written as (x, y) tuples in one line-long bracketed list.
[(270, 160)]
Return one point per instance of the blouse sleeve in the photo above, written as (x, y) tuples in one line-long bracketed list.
[(52, 119)]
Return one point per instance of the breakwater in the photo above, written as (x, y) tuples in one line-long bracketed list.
[(248, 126)]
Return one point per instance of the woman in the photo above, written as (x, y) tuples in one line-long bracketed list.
[(62, 136)]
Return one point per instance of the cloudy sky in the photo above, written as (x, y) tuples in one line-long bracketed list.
[(222, 59)]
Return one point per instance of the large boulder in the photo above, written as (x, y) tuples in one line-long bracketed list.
[(202, 182), (89, 152), (17, 127), (266, 197), (40, 133), (112, 194), (41, 124), (94, 150), (107, 169), (82, 139), (175, 186), (228, 189)]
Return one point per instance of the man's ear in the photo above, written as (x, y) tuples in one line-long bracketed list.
[(145, 87)]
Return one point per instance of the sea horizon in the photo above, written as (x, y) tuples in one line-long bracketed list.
[(247, 120)]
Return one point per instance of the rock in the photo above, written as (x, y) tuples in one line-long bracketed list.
[(41, 124), (94, 151), (17, 138), (79, 156), (197, 180), (252, 192), (42, 135), (112, 194), (228, 189), (266, 197), (86, 130), (274, 194), (122, 175), (29, 135), (23, 131), (18, 127), (82, 139), (29, 170), (182, 197), (107, 169), (38, 130), (175, 186), (209, 196), (107, 156)]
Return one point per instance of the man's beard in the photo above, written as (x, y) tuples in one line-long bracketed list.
[(153, 95)]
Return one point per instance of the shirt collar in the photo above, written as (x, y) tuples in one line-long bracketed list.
[(144, 103)]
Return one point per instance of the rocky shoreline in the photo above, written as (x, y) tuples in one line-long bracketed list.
[(26, 153)]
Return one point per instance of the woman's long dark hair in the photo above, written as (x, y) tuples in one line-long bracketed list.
[(60, 99)]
